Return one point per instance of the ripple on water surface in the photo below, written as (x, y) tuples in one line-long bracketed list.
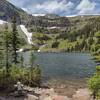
[(65, 65)]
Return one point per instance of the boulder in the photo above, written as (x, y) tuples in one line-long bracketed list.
[(82, 94)]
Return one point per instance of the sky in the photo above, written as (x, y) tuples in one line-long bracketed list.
[(59, 7)]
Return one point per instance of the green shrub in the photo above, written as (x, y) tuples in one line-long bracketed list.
[(55, 44), (94, 83), (34, 76), (17, 73), (27, 76)]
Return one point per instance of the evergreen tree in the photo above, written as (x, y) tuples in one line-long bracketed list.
[(15, 41), (22, 60), (1, 50), (32, 59), (7, 46)]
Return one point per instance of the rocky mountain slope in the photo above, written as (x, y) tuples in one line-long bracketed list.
[(7, 10)]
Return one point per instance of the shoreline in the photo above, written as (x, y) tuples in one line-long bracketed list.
[(66, 87), (50, 94), (61, 52)]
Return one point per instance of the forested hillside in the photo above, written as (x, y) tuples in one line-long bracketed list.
[(75, 34)]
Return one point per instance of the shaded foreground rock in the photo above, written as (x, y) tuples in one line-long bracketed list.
[(28, 97), (50, 94)]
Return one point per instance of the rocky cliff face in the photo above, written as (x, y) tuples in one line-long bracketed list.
[(7, 11)]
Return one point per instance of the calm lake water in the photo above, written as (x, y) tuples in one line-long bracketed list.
[(64, 65)]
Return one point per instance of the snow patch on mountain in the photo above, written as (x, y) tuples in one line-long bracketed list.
[(38, 15), (28, 34), (2, 22), (53, 27), (72, 15)]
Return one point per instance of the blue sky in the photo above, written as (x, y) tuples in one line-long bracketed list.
[(60, 7)]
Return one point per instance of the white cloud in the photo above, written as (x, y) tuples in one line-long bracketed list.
[(86, 7), (61, 7), (54, 6)]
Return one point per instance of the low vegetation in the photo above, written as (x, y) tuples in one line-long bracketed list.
[(94, 84), (28, 76)]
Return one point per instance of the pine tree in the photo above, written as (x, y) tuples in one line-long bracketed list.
[(15, 41), (7, 46), (22, 60), (1, 50), (32, 59)]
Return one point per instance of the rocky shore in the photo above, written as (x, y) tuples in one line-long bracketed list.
[(55, 90), (50, 94)]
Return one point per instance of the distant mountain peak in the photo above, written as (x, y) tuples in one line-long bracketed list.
[(7, 11)]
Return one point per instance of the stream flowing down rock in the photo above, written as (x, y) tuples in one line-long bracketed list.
[(28, 34)]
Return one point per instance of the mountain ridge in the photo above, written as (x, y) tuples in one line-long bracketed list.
[(7, 10)]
